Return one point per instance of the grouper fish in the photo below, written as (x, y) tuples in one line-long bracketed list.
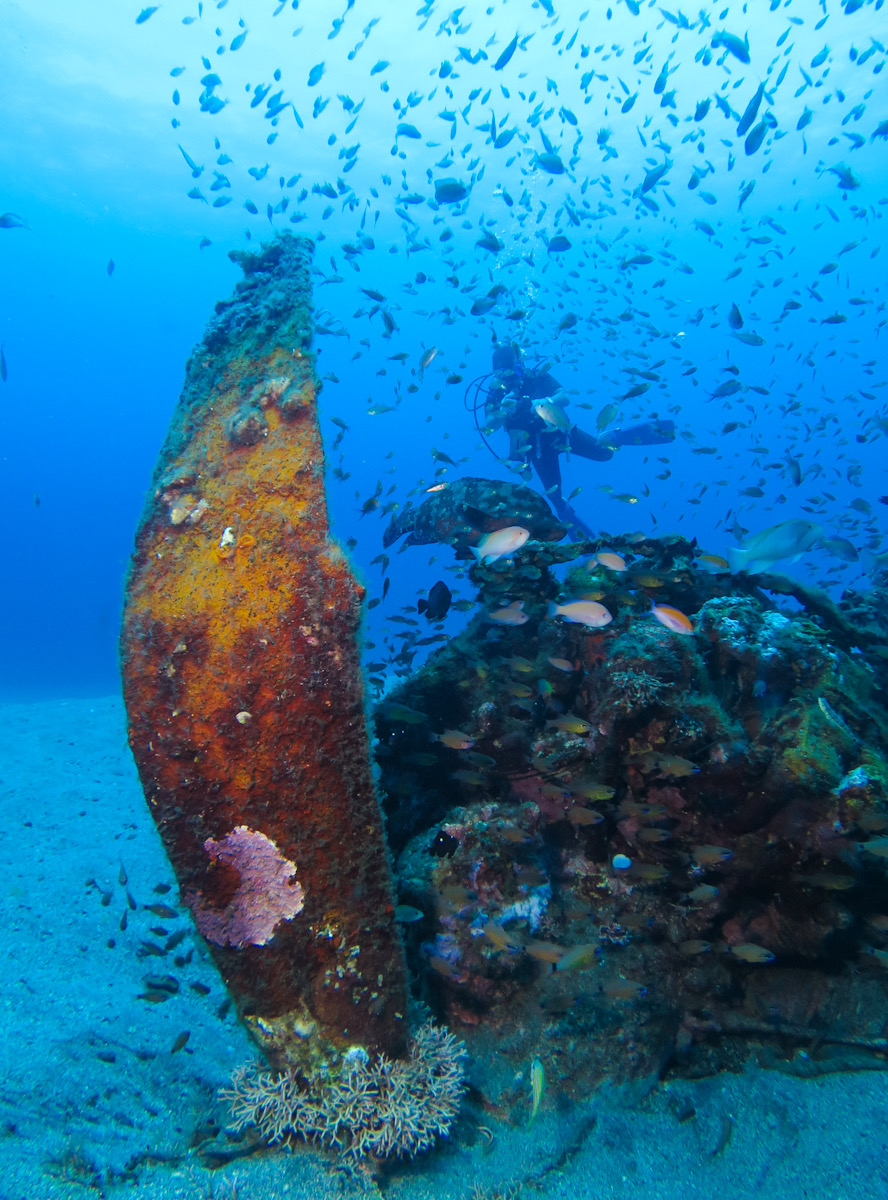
[(464, 510)]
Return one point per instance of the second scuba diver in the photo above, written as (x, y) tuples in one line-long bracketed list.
[(529, 405)]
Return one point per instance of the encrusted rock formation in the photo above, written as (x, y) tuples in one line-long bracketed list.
[(646, 848), (244, 693)]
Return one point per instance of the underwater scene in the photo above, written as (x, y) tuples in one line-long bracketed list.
[(444, 670)]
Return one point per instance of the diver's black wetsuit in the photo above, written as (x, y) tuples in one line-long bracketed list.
[(512, 397), (545, 442)]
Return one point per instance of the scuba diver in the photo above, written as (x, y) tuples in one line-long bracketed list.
[(529, 404)]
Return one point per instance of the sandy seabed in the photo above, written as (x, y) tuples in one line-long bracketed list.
[(97, 1102)]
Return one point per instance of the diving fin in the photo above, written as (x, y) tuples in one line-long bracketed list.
[(651, 433)]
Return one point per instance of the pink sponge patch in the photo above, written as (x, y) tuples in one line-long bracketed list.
[(267, 894)]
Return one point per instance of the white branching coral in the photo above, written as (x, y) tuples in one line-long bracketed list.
[(381, 1109)]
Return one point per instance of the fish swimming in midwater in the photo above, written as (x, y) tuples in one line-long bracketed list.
[(730, 42), (506, 55), (759, 551), (438, 603)]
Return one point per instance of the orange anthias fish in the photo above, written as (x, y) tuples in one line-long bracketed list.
[(673, 618), (610, 559)]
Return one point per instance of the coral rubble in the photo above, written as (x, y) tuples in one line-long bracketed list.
[(244, 692)]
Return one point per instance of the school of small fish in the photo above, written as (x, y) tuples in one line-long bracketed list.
[(606, 184)]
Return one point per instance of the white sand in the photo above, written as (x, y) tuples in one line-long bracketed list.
[(94, 1102)]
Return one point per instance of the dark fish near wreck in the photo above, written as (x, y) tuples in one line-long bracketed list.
[(438, 603), (463, 511)]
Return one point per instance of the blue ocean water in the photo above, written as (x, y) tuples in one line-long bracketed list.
[(611, 126), (680, 212)]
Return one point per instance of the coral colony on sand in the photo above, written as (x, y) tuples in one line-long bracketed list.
[(244, 695), (380, 1109)]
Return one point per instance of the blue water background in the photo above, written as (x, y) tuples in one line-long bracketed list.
[(95, 361)]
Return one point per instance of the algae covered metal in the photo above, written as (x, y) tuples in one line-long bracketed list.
[(243, 687)]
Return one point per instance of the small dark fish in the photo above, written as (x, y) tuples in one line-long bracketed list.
[(735, 320), (162, 910), (314, 75), (162, 983), (150, 950), (181, 1040), (749, 113), (637, 260), (449, 191), (750, 339), (438, 603), (756, 136), (110, 267), (655, 175), (146, 13), (4, 373), (745, 194), (506, 54), (550, 163), (10, 220), (728, 388), (847, 179), (733, 44)]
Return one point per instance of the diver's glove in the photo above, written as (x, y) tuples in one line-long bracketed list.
[(651, 433)]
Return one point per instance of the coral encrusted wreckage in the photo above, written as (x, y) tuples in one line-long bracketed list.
[(653, 845), (244, 691), (638, 814)]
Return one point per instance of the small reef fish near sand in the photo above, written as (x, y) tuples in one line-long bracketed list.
[(537, 1086)]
